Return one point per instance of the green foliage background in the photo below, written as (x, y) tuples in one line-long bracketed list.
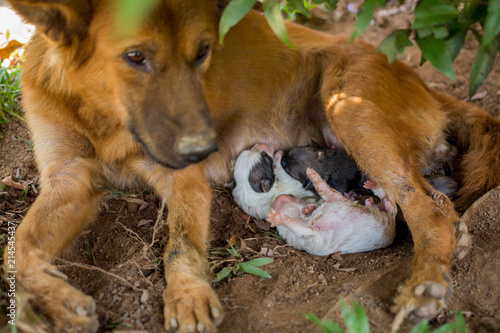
[(439, 29)]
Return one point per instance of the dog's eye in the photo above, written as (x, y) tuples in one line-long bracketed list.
[(136, 57), (202, 54)]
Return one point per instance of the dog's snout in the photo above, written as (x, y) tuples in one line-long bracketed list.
[(196, 148)]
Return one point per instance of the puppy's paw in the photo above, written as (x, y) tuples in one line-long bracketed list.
[(425, 299), (66, 307), (274, 218), (464, 240), (192, 306)]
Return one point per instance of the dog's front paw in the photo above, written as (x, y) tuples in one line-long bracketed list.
[(66, 307), (423, 299), (192, 306)]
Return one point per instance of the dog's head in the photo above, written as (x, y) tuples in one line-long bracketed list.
[(149, 77)]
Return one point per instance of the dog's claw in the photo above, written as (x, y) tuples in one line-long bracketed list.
[(463, 240), (194, 307)]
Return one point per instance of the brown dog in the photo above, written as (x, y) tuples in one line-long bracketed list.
[(107, 107)]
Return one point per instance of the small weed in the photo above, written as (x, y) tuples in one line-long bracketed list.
[(356, 321), (239, 266), (116, 325), (114, 193), (10, 93), (89, 250), (28, 142)]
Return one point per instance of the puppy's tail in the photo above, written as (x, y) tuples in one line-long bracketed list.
[(478, 139)]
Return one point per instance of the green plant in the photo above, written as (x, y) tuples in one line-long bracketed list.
[(439, 28), (356, 321), (238, 265), (10, 92)]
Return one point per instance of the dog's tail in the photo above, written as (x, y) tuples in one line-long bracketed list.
[(477, 134)]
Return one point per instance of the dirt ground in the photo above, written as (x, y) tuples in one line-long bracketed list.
[(115, 263)]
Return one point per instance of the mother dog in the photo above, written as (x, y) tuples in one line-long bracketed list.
[(106, 107)]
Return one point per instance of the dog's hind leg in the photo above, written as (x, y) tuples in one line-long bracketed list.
[(388, 149), (66, 204), (191, 304)]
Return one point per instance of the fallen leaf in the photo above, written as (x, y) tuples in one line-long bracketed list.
[(247, 225), (478, 96), (347, 270), (143, 222), (134, 200), (20, 185), (7, 50), (336, 256), (262, 224), (237, 243), (267, 252)]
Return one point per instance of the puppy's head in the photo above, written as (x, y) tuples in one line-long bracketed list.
[(149, 78), (254, 180)]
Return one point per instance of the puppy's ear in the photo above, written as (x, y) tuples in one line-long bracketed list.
[(62, 21), (266, 184)]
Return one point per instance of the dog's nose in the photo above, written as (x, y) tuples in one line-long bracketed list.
[(196, 148)]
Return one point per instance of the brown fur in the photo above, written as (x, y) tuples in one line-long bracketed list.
[(98, 120)]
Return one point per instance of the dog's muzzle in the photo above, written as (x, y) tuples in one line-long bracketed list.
[(197, 147)]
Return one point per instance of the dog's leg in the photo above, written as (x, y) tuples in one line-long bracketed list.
[(387, 150), (190, 302), (67, 203)]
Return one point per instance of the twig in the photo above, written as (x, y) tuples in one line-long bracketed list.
[(158, 220), (119, 278)]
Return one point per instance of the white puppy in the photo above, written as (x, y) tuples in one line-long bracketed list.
[(260, 179)]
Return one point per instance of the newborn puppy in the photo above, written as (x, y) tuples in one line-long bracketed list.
[(338, 224), (258, 183), (337, 168)]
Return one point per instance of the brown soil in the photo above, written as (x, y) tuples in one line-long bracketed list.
[(118, 243)]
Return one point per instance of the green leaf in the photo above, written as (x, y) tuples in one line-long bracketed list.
[(249, 268), (440, 32), (422, 327), (276, 21), (459, 319), (394, 44), (455, 43), (326, 326), (129, 14), (365, 16), (356, 319), (492, 23), (260, 261), (298, 6), (483, 62), (446, 328), (432, 15), (233, 13), (329, 3), (223, 274), (438, 54)]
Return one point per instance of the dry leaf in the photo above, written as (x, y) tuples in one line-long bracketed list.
[(7, 50), (237, 242), (347, 270), (262, 224), (336, 256), (267, 252), (133, 200), (20, 185), (143, 222)]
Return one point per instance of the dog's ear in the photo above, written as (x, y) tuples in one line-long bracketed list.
[(62, 21)]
